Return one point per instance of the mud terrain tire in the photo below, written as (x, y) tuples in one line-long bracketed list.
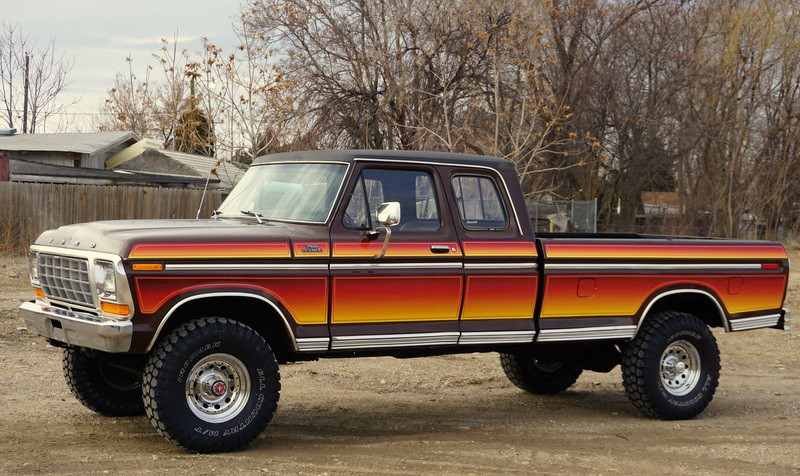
[(103, 389), (671, 367), (537, 375), (211, 385)]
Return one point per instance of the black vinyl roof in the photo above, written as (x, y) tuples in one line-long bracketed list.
[(395, 155)]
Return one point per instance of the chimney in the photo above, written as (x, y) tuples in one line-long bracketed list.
[(5, 168)]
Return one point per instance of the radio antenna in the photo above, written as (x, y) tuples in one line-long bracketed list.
[(212, 170)]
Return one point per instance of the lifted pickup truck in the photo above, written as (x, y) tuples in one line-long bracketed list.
[(363, 253)]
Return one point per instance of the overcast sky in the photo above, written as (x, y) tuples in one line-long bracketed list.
[(98, 35)]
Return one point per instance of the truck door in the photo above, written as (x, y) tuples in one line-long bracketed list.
[(412, 295), (499, 259)]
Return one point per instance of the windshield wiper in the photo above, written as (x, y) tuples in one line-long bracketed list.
[(253, 214), (216, 214)]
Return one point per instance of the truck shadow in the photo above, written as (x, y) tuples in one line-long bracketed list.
[(346, 419)]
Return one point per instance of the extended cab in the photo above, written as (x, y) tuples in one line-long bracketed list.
[(359, 253)]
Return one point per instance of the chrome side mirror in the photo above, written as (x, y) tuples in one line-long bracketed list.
[(388, 216), (389, 213)]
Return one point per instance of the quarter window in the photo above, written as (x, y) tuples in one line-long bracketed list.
[(413, 189), (479, 204)]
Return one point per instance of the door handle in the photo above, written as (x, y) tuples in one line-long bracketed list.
[(440, 249)]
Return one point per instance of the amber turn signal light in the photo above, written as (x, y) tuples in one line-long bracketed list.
[(147, 266), (118, 309), (38, 292)]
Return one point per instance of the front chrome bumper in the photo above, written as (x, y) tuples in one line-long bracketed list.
[(77, 328)]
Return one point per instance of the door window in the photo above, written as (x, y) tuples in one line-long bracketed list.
[(413, 189), (479, 204)]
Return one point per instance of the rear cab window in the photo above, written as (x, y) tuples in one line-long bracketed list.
[(480, 205)]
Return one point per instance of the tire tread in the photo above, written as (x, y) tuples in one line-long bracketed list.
[(642, 346), (171, 346)]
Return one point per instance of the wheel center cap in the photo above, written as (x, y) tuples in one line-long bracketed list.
[(219, 388), (674, 367)]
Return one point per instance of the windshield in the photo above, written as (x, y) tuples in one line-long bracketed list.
[(294, 192)]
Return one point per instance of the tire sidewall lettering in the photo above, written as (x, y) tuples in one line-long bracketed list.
[(699, 392), (257, 392), (193, 358)]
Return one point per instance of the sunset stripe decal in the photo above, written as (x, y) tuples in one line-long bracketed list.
[(395, 250), (667, 251), (500, 248), (623, 295), (242, 250), (518, 297), (306, 298), (419, 298)]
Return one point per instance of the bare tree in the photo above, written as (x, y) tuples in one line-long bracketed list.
[(150, 106), (130, 104), (47, 71)]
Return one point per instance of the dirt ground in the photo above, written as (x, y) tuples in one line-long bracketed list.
[(442, 415)]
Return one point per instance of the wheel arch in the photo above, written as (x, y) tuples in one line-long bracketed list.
[(702, 303), (262, 313)]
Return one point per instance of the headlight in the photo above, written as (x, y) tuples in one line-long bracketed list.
[(33, 267), (105, 280)]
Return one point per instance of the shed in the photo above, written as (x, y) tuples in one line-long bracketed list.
[(69, 149)]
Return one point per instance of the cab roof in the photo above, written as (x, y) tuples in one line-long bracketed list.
[(393, 155)]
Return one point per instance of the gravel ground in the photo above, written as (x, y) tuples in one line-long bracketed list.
[(442, 415)]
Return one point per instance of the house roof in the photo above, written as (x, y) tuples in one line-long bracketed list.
[(76, 142), (661, 199), (26, 171), (227, 172), (398, 155), (156, 162)]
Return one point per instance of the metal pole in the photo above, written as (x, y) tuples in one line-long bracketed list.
[(25, 96)]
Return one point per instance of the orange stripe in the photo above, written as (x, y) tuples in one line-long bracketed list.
[(667, 251), (209, 250), (395, 250), (500, 248)]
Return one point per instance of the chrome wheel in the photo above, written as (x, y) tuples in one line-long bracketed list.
[(680, 368), (218, 388)]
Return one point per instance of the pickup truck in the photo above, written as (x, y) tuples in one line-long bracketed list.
[(332, 254)]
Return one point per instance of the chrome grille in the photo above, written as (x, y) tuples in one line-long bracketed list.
[(66, 279)]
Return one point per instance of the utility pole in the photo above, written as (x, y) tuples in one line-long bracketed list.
[(25, 99)]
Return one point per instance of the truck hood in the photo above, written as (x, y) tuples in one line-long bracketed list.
[(119, 236)]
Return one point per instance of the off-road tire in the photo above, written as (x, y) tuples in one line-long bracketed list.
[(641, 366), (166, 394), (87, 379), (538, 376)]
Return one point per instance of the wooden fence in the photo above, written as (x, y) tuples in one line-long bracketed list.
[(27, 209)]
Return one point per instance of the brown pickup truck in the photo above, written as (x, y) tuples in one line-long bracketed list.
[(361, 253)]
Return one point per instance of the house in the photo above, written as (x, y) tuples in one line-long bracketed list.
[(71, 149), (661, 203), (109, 157)]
